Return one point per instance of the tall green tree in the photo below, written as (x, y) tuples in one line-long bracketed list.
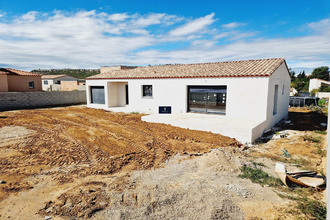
[(292, 74), (301, 82), (321, 73)]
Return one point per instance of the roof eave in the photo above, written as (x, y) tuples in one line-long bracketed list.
[(176, 77)]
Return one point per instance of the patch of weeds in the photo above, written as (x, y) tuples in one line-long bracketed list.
[(259, 176), (312, 139), (286, 196), (255, 164), (312, 208), (320, 132), (319, 151), (135, 113), (300, 162), (317, 109)]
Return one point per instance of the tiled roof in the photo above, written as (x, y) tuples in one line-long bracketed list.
[(52, 76), (245, 68), (10, 71)]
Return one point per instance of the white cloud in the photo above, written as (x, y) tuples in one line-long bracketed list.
[(88, 39), (29, 17), (320, 26), (235, 35), (194, 26), (233, 25), (118, 17)]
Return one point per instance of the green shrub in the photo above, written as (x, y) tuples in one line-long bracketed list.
[(321, 102)]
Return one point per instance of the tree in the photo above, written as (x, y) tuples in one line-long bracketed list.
[(321, 73), (301, 82), (292, 74), (302, 75)]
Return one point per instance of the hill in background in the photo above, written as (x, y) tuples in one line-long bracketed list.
[(77, 73)]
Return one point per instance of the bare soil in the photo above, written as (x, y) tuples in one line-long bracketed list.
[(76, 162)]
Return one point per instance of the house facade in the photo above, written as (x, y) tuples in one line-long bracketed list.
[(317, 83), (12, 80), (59, 83), (254, 93)]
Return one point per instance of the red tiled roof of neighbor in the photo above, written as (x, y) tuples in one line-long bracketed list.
[(52, 76), (244, 68), (10, 71)]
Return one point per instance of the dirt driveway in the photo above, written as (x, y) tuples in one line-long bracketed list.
[(89, 163)]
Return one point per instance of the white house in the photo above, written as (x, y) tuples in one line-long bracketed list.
[(239, 99), (293, 91), (317, 83), (53, 82)]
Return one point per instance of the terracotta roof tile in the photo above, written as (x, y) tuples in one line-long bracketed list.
[(245, 68), (52, 76), (10, 71)]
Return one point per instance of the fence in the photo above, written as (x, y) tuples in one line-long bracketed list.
[(302, 101), (19, 100)]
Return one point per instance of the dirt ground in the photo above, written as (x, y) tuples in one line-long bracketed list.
[(76, 162)]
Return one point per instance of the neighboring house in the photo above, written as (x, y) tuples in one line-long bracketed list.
[(59, 83), (241, 98), (12, 80), (317, 83), (293, 91)]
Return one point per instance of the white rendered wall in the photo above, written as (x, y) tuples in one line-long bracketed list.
[(281, 78), (47, 87), (246, 97), (314, 84)]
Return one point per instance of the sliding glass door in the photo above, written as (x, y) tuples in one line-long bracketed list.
[(207, 99)]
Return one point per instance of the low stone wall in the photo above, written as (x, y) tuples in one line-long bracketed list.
[(19, 100)]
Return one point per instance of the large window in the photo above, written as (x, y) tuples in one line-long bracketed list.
[(207, 99), (97, 95), (31, 85), (147, 90)]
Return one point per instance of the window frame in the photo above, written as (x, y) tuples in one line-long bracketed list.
[(145, 93), (92, 99), (45, 82), (31, 85)]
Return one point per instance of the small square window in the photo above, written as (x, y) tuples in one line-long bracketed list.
[(31, 85), (147, 90), (46, 82)]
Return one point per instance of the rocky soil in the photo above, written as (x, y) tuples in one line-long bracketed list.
[(76, 162)]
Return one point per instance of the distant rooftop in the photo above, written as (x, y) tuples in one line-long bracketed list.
[(10, 71), (244, 68), (53, 76)]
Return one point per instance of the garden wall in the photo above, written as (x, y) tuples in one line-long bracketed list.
[(19, 100)]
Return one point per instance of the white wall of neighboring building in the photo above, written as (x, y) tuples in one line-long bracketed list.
[(314, 84), (54, 81), (317, 83)]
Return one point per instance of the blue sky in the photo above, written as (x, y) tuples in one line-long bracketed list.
[(89, 34)]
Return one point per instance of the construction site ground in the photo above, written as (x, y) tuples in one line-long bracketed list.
[(78, 162)]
